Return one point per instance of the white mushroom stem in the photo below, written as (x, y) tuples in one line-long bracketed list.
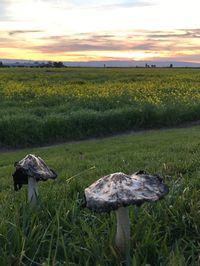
[(123, 230), (32, 191)]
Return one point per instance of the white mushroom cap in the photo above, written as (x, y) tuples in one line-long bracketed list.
[(119, 190), (35, 167)]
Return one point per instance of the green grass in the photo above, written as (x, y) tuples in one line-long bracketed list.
[(42, 106), (60, 232)]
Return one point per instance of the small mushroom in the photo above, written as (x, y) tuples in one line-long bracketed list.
[(29, 171), (117, 191)]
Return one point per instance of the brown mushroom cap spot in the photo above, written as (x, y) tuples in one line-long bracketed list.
[(119, 190), (31, 166)]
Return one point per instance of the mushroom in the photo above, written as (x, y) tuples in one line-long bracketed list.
[(117, 191), (30, 170)]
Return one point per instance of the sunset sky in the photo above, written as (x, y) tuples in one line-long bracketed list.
[(88, 30)]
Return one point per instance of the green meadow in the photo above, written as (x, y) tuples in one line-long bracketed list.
[(60, 232), (45, 106), (40, 107)]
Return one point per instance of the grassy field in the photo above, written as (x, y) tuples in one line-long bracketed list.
[(60, 232), (41, 106)]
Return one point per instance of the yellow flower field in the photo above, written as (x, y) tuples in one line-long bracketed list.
[(87, 102)]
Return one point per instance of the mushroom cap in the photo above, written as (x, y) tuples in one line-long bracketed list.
[(31, 166), (119, 190)]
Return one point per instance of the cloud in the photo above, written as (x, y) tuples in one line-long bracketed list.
[(103, 5), (16, 32), (67, 45), (6, 43), (4, 40), (145, 46), (3, 11), (189, 58), (133, 3), (146, 41), (142, 43), (183, 33), (126, 4)]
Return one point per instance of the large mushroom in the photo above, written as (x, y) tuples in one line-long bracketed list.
[(31, 170), (117, 191)]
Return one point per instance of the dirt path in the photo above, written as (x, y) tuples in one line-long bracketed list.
[(127, 133)]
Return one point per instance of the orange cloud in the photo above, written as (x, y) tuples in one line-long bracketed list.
[(182, 44)]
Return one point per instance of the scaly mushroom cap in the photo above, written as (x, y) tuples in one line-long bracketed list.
[(116, 190), (31, 166)]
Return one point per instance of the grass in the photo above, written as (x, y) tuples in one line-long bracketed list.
[(45, 106), (60, 232)]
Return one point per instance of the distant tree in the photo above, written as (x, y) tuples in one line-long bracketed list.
[(47, 64), (1, 64), (171, 65), (58, 64)]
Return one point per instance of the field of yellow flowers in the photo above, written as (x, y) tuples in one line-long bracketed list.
[(40, 106)]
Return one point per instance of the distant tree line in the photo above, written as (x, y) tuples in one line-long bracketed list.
[(49, 64), (1, 64), (54, 64), (154, 66)]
